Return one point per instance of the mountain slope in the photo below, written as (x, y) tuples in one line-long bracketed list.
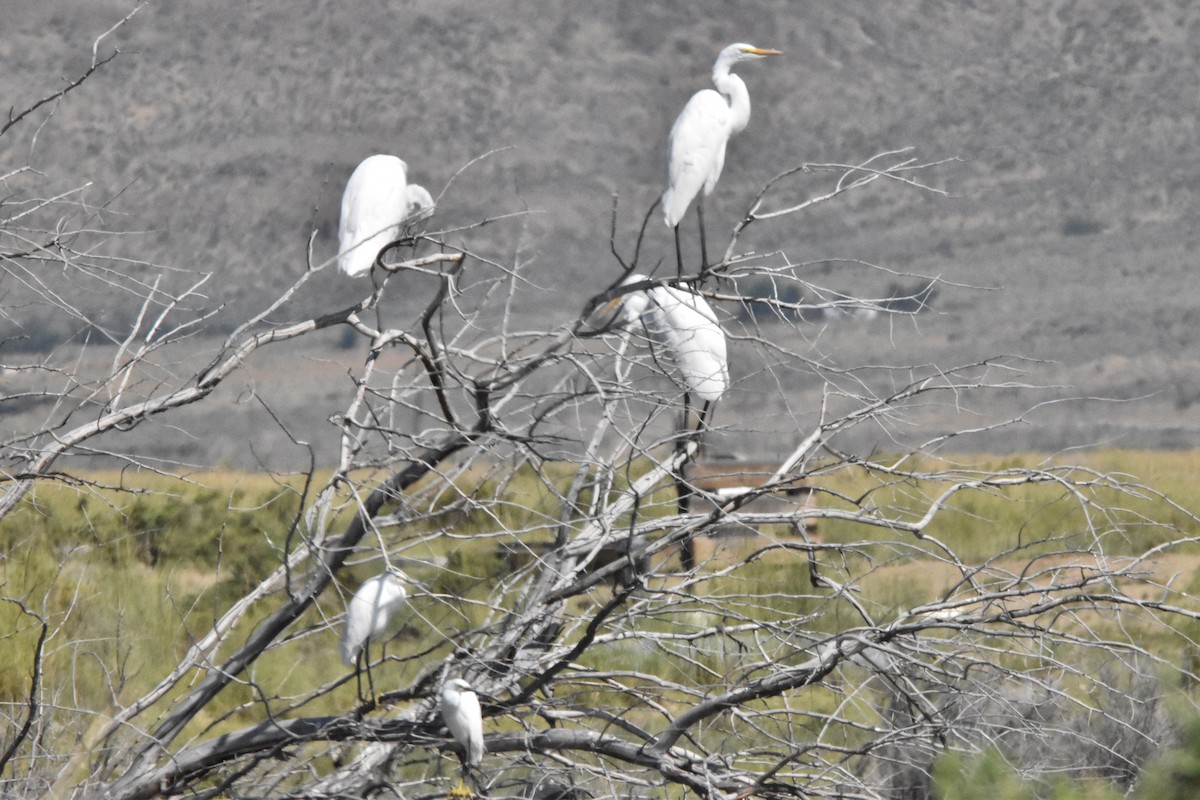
[(225, 132)]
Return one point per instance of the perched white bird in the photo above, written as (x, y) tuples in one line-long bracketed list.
[(686, 327), (460, 710), (696, 147), (377, 202), (369, 610)]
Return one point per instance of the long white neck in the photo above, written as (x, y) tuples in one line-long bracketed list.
[(734, 89)]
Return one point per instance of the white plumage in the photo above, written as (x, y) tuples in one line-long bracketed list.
[(369, 610), (696, 147), (460, 710), (686, 327), (375, 205), (418, 202)]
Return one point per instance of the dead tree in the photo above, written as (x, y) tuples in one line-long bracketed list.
[(603, 667)]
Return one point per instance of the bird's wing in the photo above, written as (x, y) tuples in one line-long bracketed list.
[(372, 207), (394, 595), (695, 152), (383, 595), (356, 629), (464, 718), (475, 745), (691, 331)]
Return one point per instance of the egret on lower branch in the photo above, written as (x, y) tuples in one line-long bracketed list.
[(696, 147), (686, 327), (376, 204), (461, 713), (367, 616)]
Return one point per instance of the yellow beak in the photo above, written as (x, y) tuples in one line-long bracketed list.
[(758, 51)]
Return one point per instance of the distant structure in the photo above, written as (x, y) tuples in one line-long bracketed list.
[(716, 481)]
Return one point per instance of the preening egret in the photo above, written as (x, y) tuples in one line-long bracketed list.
[(696, 147), (367, 616), (418, 203), (377, 202), (686, 327), (460, 711)]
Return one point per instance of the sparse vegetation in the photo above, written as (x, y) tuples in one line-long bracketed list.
[(228, 136), (81, 557), (862, 610)]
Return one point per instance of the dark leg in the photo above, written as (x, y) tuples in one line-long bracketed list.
[(683, 493), (683, 490), (463, 790), (703, 245), (678, 256), (376, 288), (702, 422), (687, 548), (358, 676), (814, 572), (366, 656)]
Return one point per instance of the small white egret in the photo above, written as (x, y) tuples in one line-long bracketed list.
[(461, 713), (367, 616), (378, 200), (696, 147)]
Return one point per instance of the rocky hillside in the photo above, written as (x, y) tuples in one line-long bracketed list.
[(225, 131)]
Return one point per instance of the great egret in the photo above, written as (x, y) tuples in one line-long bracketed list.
[(685, 326), (460, 711), (696, 147), (367, 616), (377, 202)]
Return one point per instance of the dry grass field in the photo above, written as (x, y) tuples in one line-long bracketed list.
[(222, 136), (124, 577)]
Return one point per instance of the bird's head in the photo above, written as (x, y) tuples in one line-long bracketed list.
[(616, 313), (418, 202), (633, 304), (740, 52), (746, 52), (406, 579)]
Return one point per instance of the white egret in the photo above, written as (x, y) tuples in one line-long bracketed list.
[(686, 327), (378, 200), (696, 147), (367, 616), (461, 713)]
